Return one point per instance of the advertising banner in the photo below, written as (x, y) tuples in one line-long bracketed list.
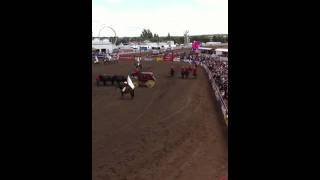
[(126, 57)]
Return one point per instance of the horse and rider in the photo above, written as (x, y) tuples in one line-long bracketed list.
[(138, 63), (127, 87), (110, 59)]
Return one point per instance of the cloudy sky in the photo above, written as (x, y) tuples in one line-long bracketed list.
[(129, 17)]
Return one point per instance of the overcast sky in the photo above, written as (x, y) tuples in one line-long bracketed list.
[(129, 17)]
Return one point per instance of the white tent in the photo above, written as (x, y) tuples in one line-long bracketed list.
[(204, 48), (222, 49)]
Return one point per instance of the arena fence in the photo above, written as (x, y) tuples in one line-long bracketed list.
[(217, 93)]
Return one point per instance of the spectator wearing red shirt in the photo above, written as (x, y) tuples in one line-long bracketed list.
[(182, 69), (194, 71)]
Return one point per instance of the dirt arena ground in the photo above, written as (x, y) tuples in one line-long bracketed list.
[(171, 131)]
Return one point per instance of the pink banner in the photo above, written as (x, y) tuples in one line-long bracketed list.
[(195, 45)]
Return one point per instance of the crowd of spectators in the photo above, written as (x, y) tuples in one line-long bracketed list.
[(219, 70)]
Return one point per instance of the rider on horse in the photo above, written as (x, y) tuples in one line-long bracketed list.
[(138, 62), (127, 87)]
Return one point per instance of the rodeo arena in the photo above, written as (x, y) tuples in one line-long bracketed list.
[(159, 110)]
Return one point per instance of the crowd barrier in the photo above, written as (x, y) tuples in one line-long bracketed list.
[(217, 94)]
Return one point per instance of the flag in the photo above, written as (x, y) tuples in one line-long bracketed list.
[(195, 45), (130, 82)]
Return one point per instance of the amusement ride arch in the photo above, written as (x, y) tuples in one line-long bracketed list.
[(115, 34)]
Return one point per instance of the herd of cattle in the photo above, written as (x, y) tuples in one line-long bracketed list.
[(110, 79)]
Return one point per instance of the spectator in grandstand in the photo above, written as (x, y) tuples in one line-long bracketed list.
[(219, 71)]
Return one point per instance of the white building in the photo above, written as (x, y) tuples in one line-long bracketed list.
[(212, 43), (222, 52), (154, 45), (103, 45)]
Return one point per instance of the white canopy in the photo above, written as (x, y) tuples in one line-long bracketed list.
[(204, 48), (222, 49)]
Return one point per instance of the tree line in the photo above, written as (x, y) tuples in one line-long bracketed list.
[(146, 34)]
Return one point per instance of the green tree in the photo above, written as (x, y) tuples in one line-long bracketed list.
[(179, 40), (220, 38), (124, 40), (155, 38), (146, 34), (112, 39)]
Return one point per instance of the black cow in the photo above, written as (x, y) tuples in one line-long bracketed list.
[(109, 78), (103, 78)]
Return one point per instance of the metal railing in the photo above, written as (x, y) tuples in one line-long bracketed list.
[(220, 99)]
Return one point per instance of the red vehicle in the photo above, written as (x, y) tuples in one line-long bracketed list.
[(146, 79)]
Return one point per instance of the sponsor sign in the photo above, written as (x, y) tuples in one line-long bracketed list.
[(128, 57)]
